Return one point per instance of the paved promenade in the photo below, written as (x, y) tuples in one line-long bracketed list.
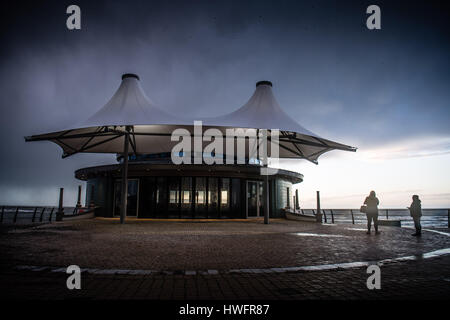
[(221, 260)]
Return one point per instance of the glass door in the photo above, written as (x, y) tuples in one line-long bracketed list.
[(255, 201), (132, 199), (252, 199)]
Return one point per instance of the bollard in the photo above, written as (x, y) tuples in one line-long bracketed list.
[(353, 218), (60, 212), (319, 215), (79, 198), (34, 214), (332, 216), (15, 215)]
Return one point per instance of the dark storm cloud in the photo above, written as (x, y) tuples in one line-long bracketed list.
[(203, 57)]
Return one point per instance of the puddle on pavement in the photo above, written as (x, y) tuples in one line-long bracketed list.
[(324, 235)]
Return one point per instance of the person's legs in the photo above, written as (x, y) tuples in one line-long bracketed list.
[(420, 226), (369, 222), (417, 226), (375, 222)]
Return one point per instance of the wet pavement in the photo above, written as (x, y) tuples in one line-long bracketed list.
[(221, 260)]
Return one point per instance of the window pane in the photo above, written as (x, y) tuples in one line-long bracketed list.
[(161, 197), (174, 197), (186, 197), (213, 197), (200, 197), (224, 197), (236, 210)]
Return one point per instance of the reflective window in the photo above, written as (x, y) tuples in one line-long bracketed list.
[(174, 197), (200, 197), (236, 209), (213, 198), (186, 197), (224, 197), (161, 197)]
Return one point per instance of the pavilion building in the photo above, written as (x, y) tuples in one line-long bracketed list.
[(158, 188)]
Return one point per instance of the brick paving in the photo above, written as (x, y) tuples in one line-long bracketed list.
[(181, 253)]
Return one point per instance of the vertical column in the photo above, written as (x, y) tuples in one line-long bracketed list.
[(123, 210), (79, 197), (266, 198), (319, 214), (60, 213), (263, 156)]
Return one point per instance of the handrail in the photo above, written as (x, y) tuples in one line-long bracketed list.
[(431, 216), (33, 214)]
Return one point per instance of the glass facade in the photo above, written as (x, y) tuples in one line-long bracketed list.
[(191, 197), (182, 197)]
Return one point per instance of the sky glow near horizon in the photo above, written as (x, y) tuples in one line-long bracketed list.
[(395, 172)]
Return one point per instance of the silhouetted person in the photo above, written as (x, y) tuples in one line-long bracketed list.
[(372, 203), (415, 210)]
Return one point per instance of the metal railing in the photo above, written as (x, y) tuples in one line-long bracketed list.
[(430, 217), (34, 214)]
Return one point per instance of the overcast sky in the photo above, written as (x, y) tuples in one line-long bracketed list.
[(385, 91)]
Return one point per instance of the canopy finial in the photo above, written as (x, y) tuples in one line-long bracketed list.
[(259, 83), (130, 75)]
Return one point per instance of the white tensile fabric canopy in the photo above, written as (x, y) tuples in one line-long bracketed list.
[(150, 127)]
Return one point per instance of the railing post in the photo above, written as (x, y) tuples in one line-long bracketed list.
[(301, 210), (51, 213), (332, 216), (3, 211), (448, 218), (387, 214), (314, 212), (353, 218), (42, 214), (325, 215), (15, 215), (34, 214)]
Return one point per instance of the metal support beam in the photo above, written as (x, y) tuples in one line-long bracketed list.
[(266, 198), (123, 210), (79, 197)]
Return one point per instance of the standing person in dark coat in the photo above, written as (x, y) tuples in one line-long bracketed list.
[(415, 210), (372, 203)]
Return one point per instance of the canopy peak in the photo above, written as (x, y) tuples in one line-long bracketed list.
[(268, 83), (130, 75)]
